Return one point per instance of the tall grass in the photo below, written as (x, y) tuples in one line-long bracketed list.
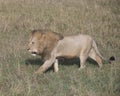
[(98, 18)]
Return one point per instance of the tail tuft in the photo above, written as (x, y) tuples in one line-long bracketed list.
[(112, 58)]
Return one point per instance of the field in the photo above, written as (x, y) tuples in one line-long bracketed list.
[(98, 18)]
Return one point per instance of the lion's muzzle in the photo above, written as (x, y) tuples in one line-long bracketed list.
[(33, 52)]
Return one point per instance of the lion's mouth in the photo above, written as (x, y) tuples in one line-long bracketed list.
[(34, 53)]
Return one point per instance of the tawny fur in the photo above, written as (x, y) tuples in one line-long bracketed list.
[(52, 45)]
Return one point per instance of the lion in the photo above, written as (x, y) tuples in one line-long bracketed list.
[(51, 46)]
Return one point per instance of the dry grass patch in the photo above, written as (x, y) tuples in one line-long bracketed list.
[(99, 18)]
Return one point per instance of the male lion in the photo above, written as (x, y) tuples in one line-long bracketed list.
[(51, 45)]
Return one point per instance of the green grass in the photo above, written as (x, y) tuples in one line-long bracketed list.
[(98, 18)]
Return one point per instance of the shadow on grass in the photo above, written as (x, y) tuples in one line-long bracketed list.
[(61, 60), (36, 61), (71, 61)]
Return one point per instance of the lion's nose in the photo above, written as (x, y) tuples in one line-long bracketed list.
[(34, 52)]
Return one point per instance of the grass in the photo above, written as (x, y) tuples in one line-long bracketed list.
[(98, 18)]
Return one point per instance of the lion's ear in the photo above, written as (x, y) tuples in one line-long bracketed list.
[(60, 36), (33, 32)]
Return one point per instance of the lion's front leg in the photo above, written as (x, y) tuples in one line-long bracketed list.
[(56, 66), (45, 66)]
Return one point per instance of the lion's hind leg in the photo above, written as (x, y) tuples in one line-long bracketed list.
[(93, 55), (82, 61), (83, 56)]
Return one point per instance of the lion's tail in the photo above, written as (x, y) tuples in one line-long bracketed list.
[(112, 58)]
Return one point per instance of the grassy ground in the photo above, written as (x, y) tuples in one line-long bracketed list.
[(98, 18)]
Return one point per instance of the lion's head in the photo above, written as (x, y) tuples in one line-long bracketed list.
[(42, 42)]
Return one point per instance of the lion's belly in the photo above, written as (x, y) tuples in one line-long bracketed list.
[(70, 47), (69, 52)]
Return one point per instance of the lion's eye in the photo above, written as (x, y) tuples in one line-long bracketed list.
[(33, 42)]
